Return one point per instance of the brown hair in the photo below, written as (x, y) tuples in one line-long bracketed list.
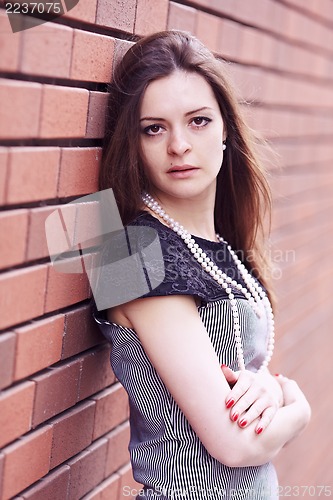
[(242, 196)]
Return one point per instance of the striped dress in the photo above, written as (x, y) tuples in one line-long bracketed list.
[(166, 455)]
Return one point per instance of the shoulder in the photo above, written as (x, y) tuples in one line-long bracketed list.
[(148, 259), (176, 272)]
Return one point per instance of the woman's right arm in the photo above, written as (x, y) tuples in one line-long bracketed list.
[(175, 340)]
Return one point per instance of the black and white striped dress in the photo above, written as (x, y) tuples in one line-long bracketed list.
[(167, 457)]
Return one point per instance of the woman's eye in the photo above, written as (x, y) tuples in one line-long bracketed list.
[(152, 130), (201, 121)]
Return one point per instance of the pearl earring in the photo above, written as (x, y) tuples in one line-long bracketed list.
[(224, 146)]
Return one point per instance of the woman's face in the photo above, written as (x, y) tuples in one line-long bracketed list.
[(181, 136)]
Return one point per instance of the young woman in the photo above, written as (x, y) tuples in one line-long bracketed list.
[(180, 160)]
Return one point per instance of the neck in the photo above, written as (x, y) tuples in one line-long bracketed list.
[(197, 216)]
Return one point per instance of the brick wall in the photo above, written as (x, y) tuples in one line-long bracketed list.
[(63, 415)]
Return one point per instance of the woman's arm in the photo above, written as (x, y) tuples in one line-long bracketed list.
[(178, 346)]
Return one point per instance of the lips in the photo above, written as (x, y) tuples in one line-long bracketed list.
[(182, 171), (181, 168)]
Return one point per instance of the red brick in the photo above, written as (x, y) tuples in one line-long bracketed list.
[(264, 122), (85, 10), (26, 461), (33, 174), (118, 453), (72, 432), (53, 486), (117, 14), (251, 45), (46, 50), (37, 243), (181, 17), (278, 16), (284, 55), (38, 345), (97, 53), (302, 58), (320, 66), (22, 295), (56, 391), (64, 289), (127, 483), (208, 30), (14, 225), (9, 45), (64, 112), (248, 82), (87, 469), (2, 462), (7, 358), (81, 332), (151, 16), (204, 3), (96, 372), (20, 109), (79, 171), (107, 490), (229, 7), (268, 50), (276, 90), (111, 409), (254, 13), (96, 114), (120, 49), (4, 155), (296, 26), (60, 230), (230, 40), (15, 411)]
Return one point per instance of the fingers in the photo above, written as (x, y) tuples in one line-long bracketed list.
[(251, 407), (266, 418), (230, 375), (239, 390), (252, 399)]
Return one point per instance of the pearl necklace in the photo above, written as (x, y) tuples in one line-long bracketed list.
[(253, 292)]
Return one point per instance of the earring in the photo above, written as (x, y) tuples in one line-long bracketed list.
[(224, 146)]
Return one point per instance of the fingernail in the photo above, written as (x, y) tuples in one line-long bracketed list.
[(277, 374), (243, 423), (259, 430), (224, 366), (229, 403), (235, 417)]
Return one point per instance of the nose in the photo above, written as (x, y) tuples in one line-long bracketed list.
[(178, 143)]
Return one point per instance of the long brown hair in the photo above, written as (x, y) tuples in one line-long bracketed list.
[(243, 196)]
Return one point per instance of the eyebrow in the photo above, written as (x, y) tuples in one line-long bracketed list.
[(154, 118)]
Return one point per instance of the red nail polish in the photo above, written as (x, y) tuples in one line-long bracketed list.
[(224, 366), (259, 430), (229, 403), (277, 374), (235, 417), (243, 423)]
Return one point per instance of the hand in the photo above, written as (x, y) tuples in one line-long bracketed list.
[(293, 394), (253, 396)]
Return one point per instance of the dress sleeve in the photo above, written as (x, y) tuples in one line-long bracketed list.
[(170, 269), (183, 275)]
